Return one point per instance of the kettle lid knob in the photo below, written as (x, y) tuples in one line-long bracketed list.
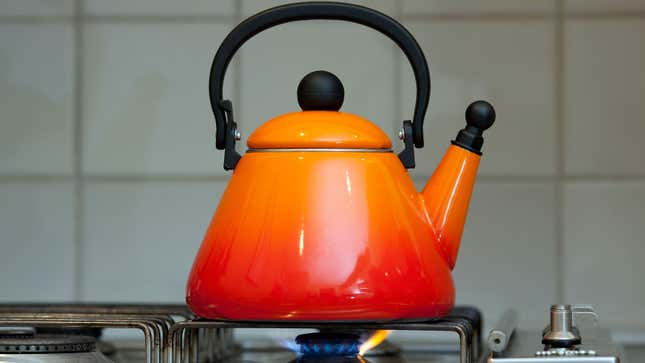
[(320, 91)]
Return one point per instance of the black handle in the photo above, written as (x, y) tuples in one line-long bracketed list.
[(323, 11)]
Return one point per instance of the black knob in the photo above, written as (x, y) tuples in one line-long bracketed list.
[(320, 91), (480, 115)]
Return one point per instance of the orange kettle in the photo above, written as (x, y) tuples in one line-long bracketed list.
[(320, 219)]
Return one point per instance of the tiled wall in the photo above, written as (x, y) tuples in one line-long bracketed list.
[(109, 175)]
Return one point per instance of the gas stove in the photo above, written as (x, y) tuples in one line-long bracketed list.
[(172, 334)]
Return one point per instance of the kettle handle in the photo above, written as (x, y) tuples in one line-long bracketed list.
[(322, 11)]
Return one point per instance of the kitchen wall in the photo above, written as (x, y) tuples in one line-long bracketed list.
[(109, 174)]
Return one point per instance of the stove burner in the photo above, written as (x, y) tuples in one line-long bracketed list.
[(25, 341), (18, 333), (58, 330)]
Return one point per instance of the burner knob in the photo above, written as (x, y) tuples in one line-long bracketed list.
[(561, 333)]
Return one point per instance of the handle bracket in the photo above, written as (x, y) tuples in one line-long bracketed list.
[(407, 154), (231, 156)]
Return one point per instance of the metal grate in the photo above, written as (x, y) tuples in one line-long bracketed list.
[(172, 334), (464, 321), (154, 321)]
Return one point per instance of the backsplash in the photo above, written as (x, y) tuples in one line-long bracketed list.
[(109, 174)]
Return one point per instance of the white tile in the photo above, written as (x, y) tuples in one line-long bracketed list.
[(510, 64), (37, 7), (250, 7), (634, 353), (37, 224), (604, 249), (604, 5), (142, 237), (508, 249), (413, 7), (36, 98), (605, 84), (145, 100), (274, 62), (159, 7), (507, 253)]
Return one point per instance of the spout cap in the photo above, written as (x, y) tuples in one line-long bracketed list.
[(480, 115)]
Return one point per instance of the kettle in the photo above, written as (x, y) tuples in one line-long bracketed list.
[(320, 219)]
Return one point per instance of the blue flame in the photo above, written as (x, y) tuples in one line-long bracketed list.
[(289, 344), (329, 349), (324, 345)]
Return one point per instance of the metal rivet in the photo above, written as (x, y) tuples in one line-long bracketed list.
[(238, 135), (401, 134)]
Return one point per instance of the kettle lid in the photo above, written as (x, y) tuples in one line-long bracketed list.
[(319, 125)]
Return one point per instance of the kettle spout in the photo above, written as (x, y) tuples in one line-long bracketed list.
[(447, 193), (447, 196)]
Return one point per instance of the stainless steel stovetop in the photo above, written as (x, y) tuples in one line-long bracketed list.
[(171, 334)]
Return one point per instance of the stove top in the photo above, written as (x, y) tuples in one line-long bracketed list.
[(172, 334)]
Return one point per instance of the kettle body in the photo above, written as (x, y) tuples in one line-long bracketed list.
[(320, 219), (320, 236)]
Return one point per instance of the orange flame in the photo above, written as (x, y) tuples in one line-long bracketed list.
[(376, 339)]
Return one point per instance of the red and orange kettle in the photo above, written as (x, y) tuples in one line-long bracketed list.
[(320, 219)]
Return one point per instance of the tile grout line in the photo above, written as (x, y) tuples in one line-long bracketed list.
[(560, 152), (135, 177), (605, 15), (115, 19), (398, 81), (36, 178), (500, 16), (446, 17), (237, 63), (143, 19), (79, 186), (36, 20)]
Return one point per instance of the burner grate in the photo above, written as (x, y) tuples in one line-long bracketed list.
[(464, 321), (172, 341), (154, 321)]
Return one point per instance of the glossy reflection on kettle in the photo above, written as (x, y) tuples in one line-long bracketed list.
[(320, 219)]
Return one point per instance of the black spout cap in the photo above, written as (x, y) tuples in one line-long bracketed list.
[(480, 115)]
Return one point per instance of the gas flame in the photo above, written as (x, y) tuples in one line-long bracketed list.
[(376, 339), (289, 344)]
